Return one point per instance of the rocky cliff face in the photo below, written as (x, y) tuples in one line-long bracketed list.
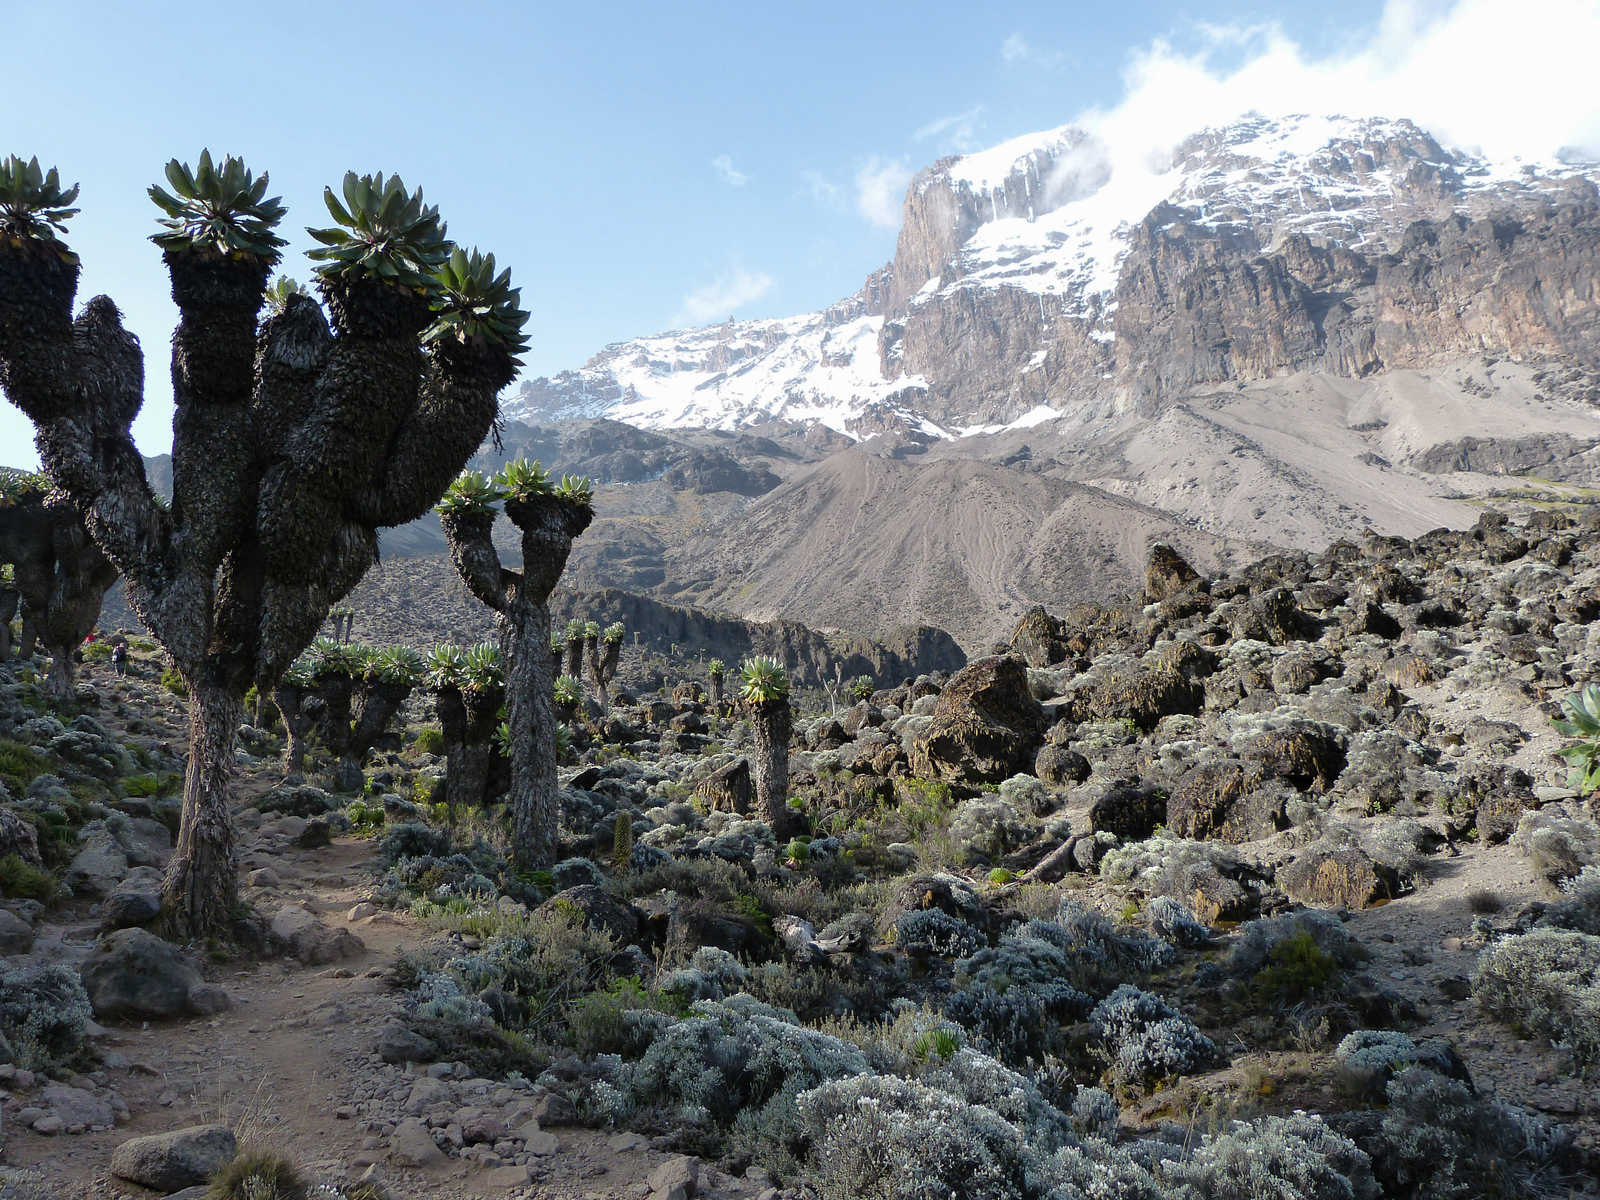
[(1049, 273)]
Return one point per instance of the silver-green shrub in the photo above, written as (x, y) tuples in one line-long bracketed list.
[(1440, 1141), (1279, 1158), (1147, 1038), (1546, 981)]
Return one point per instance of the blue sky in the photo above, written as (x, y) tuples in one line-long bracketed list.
[(637, 166)]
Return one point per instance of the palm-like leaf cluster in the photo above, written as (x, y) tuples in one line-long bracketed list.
[(34, 207), (763, 679), (382, 232), (482, 668), (716, 667), (471, 493), (574, 631), (398, 665), (522, 479), (472, 303), (283, 289), (568, 691), (19, 487), (328, 657), (225, 212), (612, 634), (1581, 711), (576, 489), (591, 629)]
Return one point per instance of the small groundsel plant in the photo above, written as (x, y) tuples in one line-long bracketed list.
[(1580, 719)]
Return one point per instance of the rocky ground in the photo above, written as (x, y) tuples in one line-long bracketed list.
[(1097, 915)]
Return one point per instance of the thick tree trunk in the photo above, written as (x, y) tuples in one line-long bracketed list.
[(296, 724), (575, 659), (58, 684), (379, 703), (469, 749), (8, 610), (716, 692), (771, 723), (200, 894), (530, 713), (28, 644)]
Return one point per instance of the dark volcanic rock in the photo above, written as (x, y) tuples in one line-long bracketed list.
[(986, 727)]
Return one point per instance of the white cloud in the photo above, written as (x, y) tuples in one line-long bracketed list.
[(823, 190), (1473, 74), (1017, 50), (957, 132), (722, 164), (1508, 89), (722, 297), (880, 187)]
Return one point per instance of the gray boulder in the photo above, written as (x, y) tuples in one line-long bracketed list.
[(133, 973), (182, 1158)]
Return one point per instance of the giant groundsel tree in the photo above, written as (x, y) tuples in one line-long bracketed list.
[(549, 516), (295, 438)]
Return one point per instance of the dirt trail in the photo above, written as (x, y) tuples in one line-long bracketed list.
[(292, 1064)]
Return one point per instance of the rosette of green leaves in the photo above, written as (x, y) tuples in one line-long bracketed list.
[(281, 291), (716, 667), (444, 667), (329, 657), (762, 679), (576, 489), (1581, 719), (568, 691), (522, 479), (473, 304), (862, 687), (612, 634), (471, 493), (226, 212), (591, 629), (557, 643), (574, 631), (382, 232), (398, 665), (301, 674), (482, 668), (19, 487), (34, 207)]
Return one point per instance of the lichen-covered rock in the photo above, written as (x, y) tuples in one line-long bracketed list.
[(1060, 766), (1130, 811), (986, 726), (1225, 799), (1338, 877), (1166, 573)]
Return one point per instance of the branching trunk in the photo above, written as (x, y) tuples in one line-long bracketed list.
[(293, 443), (297, 723), (605, 670), (771, 724), (200, 891), (379, 703), (468, 725), (522, 599)]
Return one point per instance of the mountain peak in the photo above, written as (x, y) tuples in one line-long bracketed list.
[(1003, 296)]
